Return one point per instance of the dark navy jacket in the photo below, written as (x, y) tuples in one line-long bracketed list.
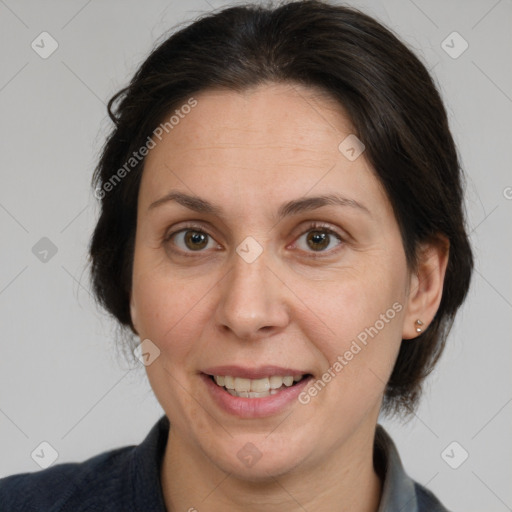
[(128, 480)]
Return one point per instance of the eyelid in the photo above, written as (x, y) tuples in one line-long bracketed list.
[(318, 225), (187, 226)]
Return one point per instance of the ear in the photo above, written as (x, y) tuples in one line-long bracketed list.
[(133, 315), (426, 286)]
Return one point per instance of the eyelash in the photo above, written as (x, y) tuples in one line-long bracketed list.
[(314, 226)]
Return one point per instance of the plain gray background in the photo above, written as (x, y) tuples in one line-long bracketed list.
[(61, 379)]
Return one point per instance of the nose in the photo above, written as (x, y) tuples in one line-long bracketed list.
[(252, 302)]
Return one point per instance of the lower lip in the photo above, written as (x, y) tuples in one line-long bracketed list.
[(254, 407)]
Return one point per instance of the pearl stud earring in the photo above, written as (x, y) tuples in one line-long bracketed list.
[(418, 324)]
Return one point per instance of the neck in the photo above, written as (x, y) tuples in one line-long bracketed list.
[(345, 482)]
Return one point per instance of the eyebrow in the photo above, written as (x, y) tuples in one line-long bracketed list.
[(287, 209)]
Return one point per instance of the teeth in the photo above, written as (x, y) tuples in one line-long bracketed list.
[(288, 380), (229, 382), (255, 388), (251, 394), (260, 385), (276, 382), (242, 384)]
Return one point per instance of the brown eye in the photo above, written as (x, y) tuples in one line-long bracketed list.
[(196, 240), (191, 240), (319, 239)]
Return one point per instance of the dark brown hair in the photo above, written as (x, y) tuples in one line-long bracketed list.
[(386, 91)]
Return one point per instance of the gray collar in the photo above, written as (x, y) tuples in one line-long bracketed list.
[(399, 492)]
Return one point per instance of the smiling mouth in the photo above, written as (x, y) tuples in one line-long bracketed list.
[(256, 388)]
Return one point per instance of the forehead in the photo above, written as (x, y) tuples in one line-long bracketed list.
[(271, 141), (256, 118)]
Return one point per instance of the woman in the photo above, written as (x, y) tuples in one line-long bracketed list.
[(282, 228)]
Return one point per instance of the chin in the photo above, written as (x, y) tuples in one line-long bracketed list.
[(260, 461)]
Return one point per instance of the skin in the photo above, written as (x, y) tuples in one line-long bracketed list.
[(248, 153)]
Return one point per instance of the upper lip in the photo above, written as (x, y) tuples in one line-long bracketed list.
[(254, 372)]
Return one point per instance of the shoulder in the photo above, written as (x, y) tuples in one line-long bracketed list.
[(400, 491), (427, 501), (90, 485)]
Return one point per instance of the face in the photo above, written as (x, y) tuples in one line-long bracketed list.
[(244, 274)]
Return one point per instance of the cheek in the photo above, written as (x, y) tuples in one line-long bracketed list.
[(356, 324), (344, 306), (170, 310)]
